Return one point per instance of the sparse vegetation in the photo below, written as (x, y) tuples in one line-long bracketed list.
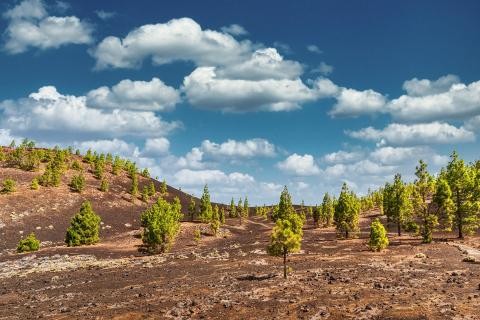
[(29, 244), (8, 186), (77, 183), (346, 213), (84, 227), (378, 236), (161, 224), (104, 185)]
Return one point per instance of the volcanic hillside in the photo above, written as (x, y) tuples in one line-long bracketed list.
[(47, 211)]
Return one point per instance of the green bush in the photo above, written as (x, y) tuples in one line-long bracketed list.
[(34, 185), (9, 186), (104, 185), (77, 183), (77, 166), (378, 236), (411, 226), (29, 244), (145, 194), (161, 224), (84, 227)]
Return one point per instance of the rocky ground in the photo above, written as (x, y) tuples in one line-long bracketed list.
[(232, 277)]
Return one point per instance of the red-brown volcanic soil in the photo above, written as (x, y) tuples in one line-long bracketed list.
[(225, 277)]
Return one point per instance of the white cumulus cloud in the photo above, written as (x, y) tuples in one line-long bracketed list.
[(30, 26), (151, 95), (299, 165)]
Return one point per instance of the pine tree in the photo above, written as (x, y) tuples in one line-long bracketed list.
[(215, 221), (378, 236), (34, 185), (246, 209), (233, 209), (77, 183), (205, 206), (316, 216), (423, 189), (397, 204), (285, 207), (29, 244), (327, 210), (346, 213), (240, 210), (145, 194), (145, 173), (76, 166), (104, 185), (161, 224), (99, 168), (134, 187), (117, 165), (442, 199), (163, 187), (192, 209), (84, 227), (283, 241), (151, 189), (9, 186), (222, 215), (463, 182)]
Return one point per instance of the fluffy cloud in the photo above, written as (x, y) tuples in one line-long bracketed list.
[(189, 177), (424, 87), (235, 30), (176, 40), (392, 155), (299, 165), (460, 101), (30, 26), (115, 146), (342, 156), (151, 95), (155, 147), (352, 103), (205, 90), (49, 113), (415, 134), (263, 64), (239, 149)]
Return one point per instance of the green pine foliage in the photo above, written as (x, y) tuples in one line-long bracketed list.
[(84, 227), (346, 214), (442, 200), (161, 224), (145, 173), (327, 210), (145, 194), (8, 186), (151, 189), (284, 241), (104, 186), (134, 186), (240, 210), (233, 209), (34, 185), (215, 222), (287, 234), (29, 244), (246, 209), (378, 236), (163, 188), (192, 209), (117, 165), (423, 190), (316, 214), (77, 166), (206, 209), (396, 203), (77, 184), (464, 182)]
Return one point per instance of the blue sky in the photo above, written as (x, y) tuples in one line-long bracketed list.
[(247, 96)]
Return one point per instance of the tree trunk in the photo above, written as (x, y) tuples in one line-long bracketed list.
[(346, 234), (285, 263), (399, 228), (459, 218)]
